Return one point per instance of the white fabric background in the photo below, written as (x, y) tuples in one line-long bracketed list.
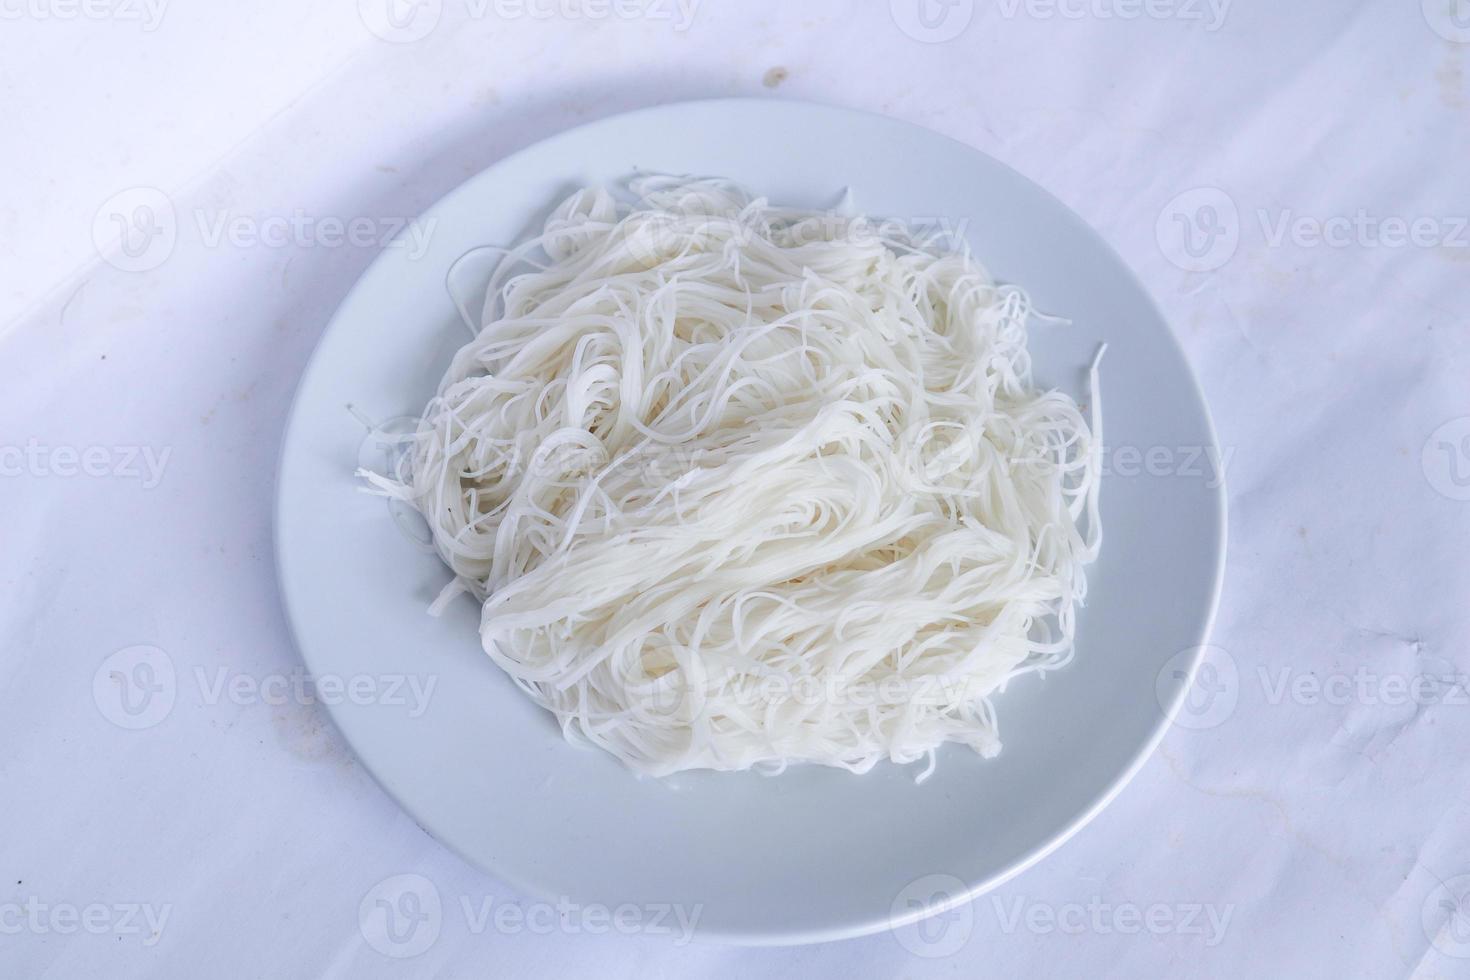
[(1323, 810)]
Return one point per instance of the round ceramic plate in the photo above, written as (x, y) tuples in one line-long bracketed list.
[(815, 853)]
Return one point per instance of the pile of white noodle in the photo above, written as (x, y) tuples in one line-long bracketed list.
[(740, 486)]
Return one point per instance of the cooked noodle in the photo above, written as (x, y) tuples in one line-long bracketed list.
[(740, 486)]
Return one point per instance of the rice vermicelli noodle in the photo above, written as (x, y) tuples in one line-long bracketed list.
[(739, 485)]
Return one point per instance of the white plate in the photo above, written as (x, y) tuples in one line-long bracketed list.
[(816, 853)]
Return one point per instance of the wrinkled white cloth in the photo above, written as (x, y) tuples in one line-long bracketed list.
[(1287, 179)]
